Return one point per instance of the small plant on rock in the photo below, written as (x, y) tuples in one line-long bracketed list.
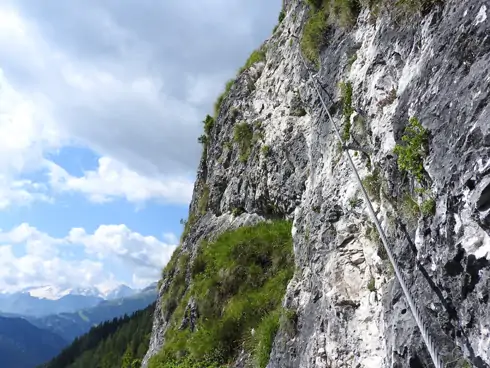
[(266, 150), (347, 110), (371, 285), (243, 135), (411, 154), (313, 35), (372, 184), (428, 207)]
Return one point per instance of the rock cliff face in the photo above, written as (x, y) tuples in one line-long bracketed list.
[(351, 310)]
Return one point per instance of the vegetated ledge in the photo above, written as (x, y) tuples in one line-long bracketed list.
[(233, 299)]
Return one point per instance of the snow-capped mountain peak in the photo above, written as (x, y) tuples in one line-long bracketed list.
[(121, 291), (57, 292)]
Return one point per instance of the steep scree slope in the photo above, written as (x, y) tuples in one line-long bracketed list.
[(271, 153)]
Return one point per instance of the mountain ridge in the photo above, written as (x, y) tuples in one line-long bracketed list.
[(23, 345)]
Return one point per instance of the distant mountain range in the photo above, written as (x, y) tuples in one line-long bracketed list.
[(23, 345), (48, 300), (27, 341), (71, 325)]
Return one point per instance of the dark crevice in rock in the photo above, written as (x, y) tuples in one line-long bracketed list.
[(415, 362), (472, 277), (483, 203), (454, 267)]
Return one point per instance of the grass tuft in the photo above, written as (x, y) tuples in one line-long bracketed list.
[(238, 282)]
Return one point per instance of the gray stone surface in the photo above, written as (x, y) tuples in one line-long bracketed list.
[(438, 65)]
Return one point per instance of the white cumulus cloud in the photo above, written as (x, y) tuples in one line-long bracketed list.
[(29, 257), (114, 180)]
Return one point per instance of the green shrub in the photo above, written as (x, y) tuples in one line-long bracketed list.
[(315, 4), (412, 6), (264, 337), (203, 201), (242, 135), (345, 11), (428, 207), (372, 184), (404, 7), (371, 285), (208, 124), (410, 207), (354, 201), (266, 150), (313, 34), (203, 139), (228, 145), (347, 110), (221, 98), (187, 226), (177, 287), (281, 16), (412, 153), (237, 211), (255, 57), (288, 322), (238, 282)]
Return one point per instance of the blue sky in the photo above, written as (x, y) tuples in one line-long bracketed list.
[(101, 104)]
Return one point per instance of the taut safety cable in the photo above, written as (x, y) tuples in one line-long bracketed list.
[(429, 342)]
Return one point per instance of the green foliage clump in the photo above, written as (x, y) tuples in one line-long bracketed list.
[(266, 150), (345, 11), (372, 184), (208, 124), (177, 287), (238, 282), (371, 285), (313, 35), (288, 321), (121, 342), (221, 98), (203, 139), (187, 226), (281, 16), (403, 7), (237, 211), (428, 207), (315, 4), (255, 57), (242, 135), (354, 201), (347, 109), (203, 201), (412, 153), (322, 14), (263, 338), (410, 207)]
